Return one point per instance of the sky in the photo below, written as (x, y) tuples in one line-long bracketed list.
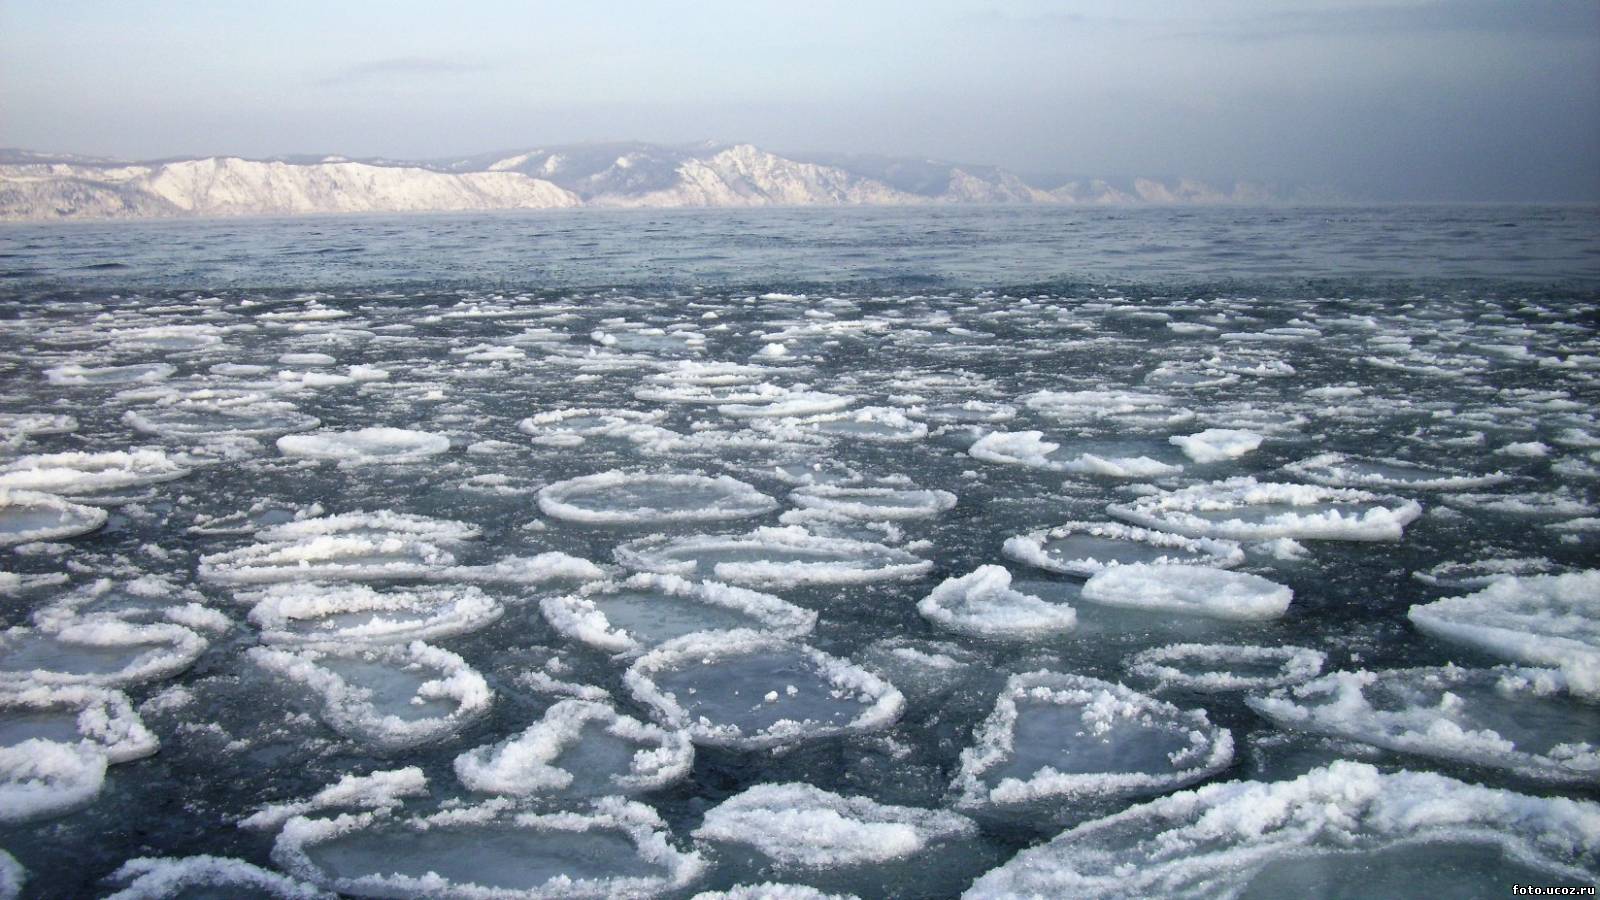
[(1387, 99)]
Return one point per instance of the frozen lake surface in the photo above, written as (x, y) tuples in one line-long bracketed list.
[(886, 553)]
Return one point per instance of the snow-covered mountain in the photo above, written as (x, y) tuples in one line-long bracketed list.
[(41, 186)]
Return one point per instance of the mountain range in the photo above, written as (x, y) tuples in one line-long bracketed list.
[(35, 186)]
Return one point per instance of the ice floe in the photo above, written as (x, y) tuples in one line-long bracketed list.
[(1227, 667), (1087, 406), (365, 445), (492, 850), (55, 744), (1196, 590), (377, 523), (1086, 548), (983, 603), (1248, 510), (12, 877), (784, 403), (148, 878), (750, 691), (1517, 719), (771, 890), (29, 516), (1480, 573), (1108, 459), (1217, 444), (342, 614), (647, 610), (1541, 620), (873, 503), (81, 376), (969, 412), (97, 651), (376, 546), (622, 498), (1562, 502), (101, 718), (708, 384), (1307, 836), (385, 789), (200, 420), (16, 427), (571, 427), (1054, 737), (172, 338), (804, 826), (876, 424), (89, 473), (41, 778), (327, 558), (148, 598), (1188, 376), (920, 669), (579, 748), (1340, 470), (392, 698), (772, 557)]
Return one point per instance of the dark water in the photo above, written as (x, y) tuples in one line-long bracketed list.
[(959, 247), (1456, 341)]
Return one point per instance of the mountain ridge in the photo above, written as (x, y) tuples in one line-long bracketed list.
[(40, 186)]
